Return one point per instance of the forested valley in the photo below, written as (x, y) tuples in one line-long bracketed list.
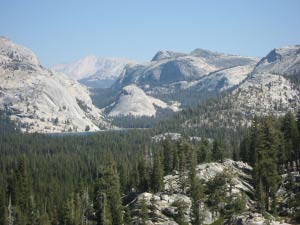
[(91, 179)]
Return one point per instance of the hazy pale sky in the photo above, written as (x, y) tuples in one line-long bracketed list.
[(61, 31)]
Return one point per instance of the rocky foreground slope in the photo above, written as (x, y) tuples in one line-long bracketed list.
[(41, 100), (162, 208)]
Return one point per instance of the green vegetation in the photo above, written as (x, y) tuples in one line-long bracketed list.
[(89, 179), (272, 147)]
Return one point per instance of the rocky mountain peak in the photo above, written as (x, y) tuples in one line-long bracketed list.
[(291, 50), (163, 54), (15, 56), (282, 61), (283, 53), (204, 53)]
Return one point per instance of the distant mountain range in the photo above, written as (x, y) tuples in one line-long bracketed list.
[(44, 100), (94, 71), (168, 68), (252, 86), (173, 77)]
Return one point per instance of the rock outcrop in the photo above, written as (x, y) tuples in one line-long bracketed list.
[(162, 207), (41, 100), (133, 101)]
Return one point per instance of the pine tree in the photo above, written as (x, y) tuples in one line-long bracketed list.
[(22, 190), (124, 177), (181, 208), (103, 216), (134, 177), (192, 162), (182, 149), (86, 206), (191, 158), (245, 149), (107, 196), (260, 196), (217, 150), (168, 153), (78, 209), (143, 211), (291, 136), (32, 217), (253, 139), (265, 169), (127, 217), (216, 191), (197, 194), (68, 210), (203, 154), (157, 174), (144, 173), (176, 159)]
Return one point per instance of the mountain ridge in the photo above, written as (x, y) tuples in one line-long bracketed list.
[(261, 87), (252, 87)]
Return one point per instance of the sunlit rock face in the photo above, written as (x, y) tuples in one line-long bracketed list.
[(41, 100), (133, 101)]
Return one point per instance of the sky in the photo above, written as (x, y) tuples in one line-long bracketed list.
[(61, 31)]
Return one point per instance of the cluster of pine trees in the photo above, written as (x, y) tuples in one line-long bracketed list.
[(272, 147), (61, 180), (82, 179), (77, 179), (89, 179)]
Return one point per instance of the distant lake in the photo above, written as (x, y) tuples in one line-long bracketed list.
[(86, 133)]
